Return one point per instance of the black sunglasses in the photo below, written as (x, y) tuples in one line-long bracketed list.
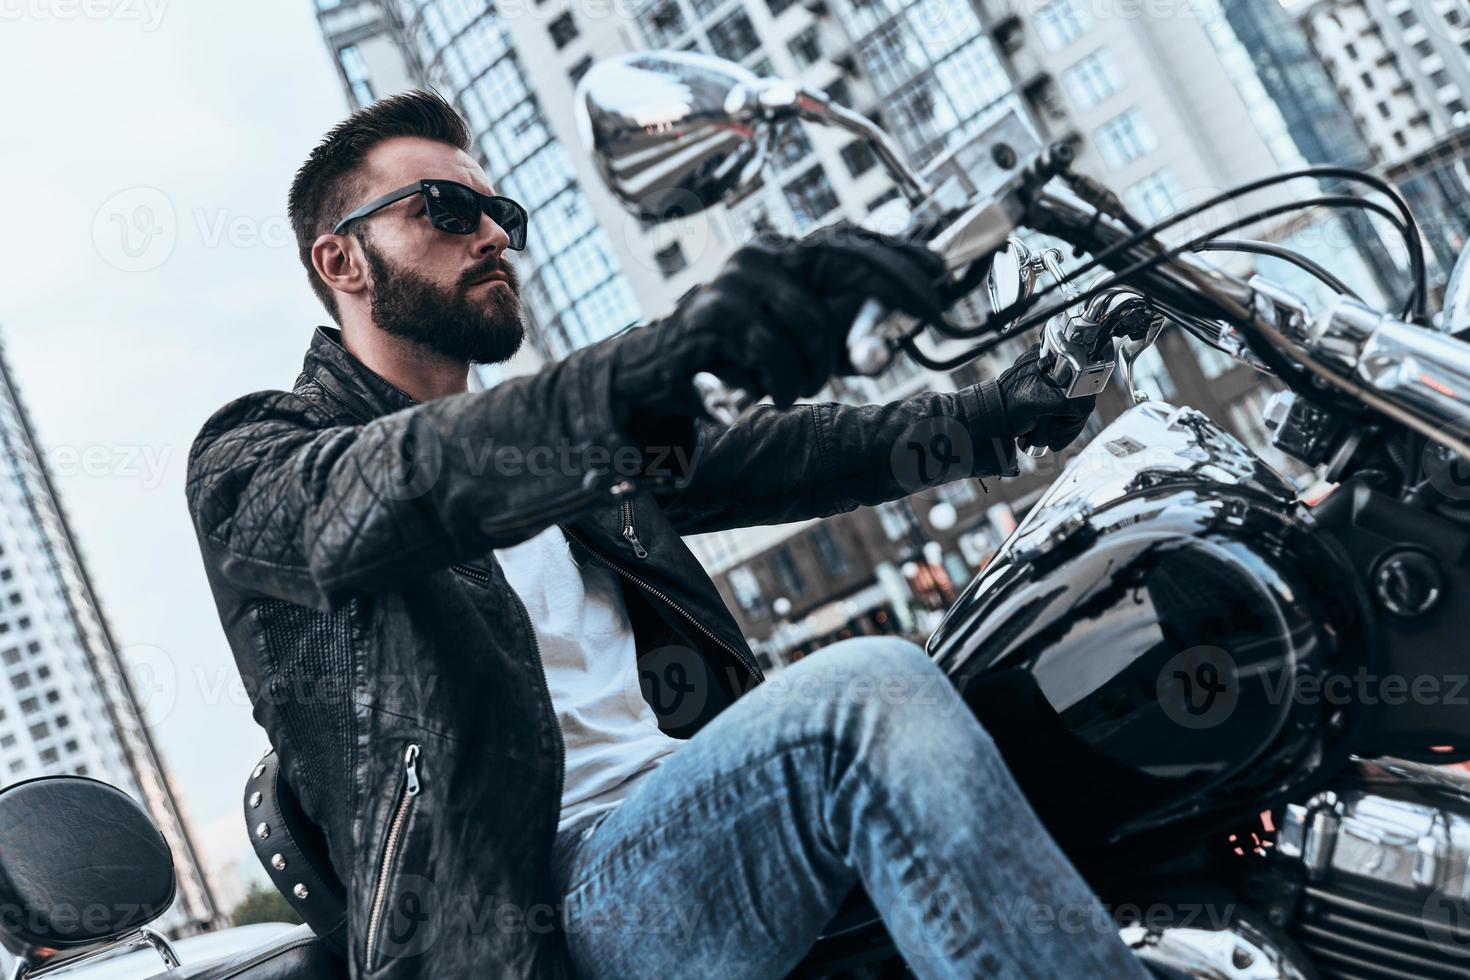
[(454, 208)]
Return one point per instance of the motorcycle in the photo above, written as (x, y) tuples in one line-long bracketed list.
[(1234, 708)]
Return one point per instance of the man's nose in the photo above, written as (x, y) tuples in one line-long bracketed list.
[(489, 238)]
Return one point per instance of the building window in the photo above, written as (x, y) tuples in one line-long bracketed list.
[(777, 6), (1060, 23), (895, 522), (793, 147), (663, 23), (788, 576), (734, 37), (958, 493), (838, 92), (1125, 138), (1092, 80), (40, 730), (563, 30), (859, 157), (20, 681), (670, 259), (829, 552), (49, 756), (30, 706), (7, 741), (356, 70), (11, 656), (580, 68), (746, 587), (806, 47), (882, 199), (811, 197), (1154, 197)]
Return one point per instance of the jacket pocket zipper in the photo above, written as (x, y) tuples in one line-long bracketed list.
[(630, 534), (390, 849), (477, 575), (554, 508)]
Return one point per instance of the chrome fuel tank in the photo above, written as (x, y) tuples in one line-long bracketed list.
[(1154, 645)]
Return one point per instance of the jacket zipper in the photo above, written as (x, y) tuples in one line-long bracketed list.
[(740, 658), (629, 534), (390, 850), (479, 576)]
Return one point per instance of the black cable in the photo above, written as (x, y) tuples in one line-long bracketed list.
[(1273, 359), (1408, 228), (1147, 264), (1280, 252)]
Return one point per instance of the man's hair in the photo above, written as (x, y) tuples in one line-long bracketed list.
[(330, 181)]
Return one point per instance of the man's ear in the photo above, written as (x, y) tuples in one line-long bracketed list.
[(340, 265)]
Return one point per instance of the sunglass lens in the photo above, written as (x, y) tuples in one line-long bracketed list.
[(510, 216), (453, 208)]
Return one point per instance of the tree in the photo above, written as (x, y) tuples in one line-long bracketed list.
[(263, 903)]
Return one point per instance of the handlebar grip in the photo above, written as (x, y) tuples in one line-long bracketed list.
[(723, 403), (867, 350), (1034, 443)]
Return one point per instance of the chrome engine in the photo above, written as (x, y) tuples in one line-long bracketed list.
[(1375, 885), (1386, 862)]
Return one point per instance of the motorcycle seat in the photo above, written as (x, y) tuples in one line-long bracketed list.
[(299, 954)]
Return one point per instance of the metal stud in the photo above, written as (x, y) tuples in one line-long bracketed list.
[(259, 771), (300, 890), (278, 861), (255, 799), (262, 830)]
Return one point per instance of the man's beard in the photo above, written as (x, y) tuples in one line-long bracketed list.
[(443, 319)]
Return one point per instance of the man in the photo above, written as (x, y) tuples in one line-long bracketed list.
[(441, 601)]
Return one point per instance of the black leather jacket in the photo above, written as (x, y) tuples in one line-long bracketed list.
[(347, 532)]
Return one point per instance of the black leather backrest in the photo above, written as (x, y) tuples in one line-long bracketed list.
[(294, 853), (80, 863)]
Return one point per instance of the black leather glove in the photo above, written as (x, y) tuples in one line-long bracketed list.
[(775, 318), (1036, 408)]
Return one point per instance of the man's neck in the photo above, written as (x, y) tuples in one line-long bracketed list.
[(422, 374)]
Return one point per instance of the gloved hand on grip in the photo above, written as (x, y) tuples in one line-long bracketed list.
[(1039, 410), (774, 319)]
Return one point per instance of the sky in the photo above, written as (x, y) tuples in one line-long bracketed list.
[(147, 276)]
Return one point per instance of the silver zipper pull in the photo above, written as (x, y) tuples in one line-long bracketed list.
[(631, 536), (411, 767)]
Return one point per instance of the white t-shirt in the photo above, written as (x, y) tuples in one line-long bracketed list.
[(611, 734)]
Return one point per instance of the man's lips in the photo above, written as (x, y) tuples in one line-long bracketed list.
[(490, 277)]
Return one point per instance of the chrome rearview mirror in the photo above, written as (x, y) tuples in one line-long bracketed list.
[(675, 132), (668, 131), (1012, 276)]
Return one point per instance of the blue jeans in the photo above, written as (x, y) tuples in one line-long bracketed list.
[(859, 765)]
